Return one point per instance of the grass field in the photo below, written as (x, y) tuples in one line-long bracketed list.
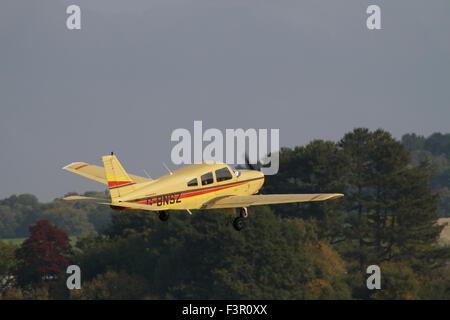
[(18, 241), (445, 234)]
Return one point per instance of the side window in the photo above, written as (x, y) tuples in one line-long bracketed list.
[(192, 183), (223, 174), (207, 178)]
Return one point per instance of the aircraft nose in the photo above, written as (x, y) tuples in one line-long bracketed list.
[(253, 174), (260, 181), (258, 175), (261, 175)]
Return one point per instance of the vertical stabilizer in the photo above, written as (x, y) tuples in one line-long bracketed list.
[(119, 182)]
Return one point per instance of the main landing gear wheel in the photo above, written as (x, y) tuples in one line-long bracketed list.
[(238, 223), (163, 215)]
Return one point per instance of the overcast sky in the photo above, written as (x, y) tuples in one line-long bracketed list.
[(139, 69)]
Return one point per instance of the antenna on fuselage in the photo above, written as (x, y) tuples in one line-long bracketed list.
[(167, 168), (146, 173)]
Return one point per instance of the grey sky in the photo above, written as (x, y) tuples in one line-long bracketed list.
[(140, 69)]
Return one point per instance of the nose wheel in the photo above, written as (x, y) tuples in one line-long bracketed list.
[(239, 222), (163, 215)]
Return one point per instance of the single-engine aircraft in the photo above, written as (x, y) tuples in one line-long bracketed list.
[(195, 186)]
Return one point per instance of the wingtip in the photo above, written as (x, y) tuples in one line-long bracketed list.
[(71, 164)]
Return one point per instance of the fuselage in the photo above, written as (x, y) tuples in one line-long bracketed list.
[(192, 186)]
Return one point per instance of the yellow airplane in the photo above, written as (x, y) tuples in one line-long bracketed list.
[(195, 186)]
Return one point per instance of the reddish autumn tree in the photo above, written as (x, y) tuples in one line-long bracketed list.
[(43, 256)]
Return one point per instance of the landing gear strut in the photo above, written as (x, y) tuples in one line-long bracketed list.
[(238, 223), (163, 215), (243, 213)]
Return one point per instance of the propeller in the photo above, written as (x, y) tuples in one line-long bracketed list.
[(252, 166), (255, 166)]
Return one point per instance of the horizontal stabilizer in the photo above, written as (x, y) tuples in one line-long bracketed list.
[(75, 198), (97, 173)]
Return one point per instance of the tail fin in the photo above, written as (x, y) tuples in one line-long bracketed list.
[(119, 182)]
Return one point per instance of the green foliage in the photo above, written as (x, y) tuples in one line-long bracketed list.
[(438, 143), (389, 212), (437, 286), (398, 282), (318, 167), (73, 221), (392, 211), (96, 255), (202, 257), (8, 222), (313, 250), (16, 214), (125, 223), (444, 201), (112, 286), (413, 142), (436, 150), (75, 218), (8, 263), (14, 293)]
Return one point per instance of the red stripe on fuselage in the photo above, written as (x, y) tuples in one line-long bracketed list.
[(113, 184), (190, 194)]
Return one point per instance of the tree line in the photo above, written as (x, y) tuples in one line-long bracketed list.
[(436, 150), (388, 217), (17, 213)]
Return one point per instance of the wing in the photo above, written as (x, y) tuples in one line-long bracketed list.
[(96, 173), (122, 204), (256, 200)]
